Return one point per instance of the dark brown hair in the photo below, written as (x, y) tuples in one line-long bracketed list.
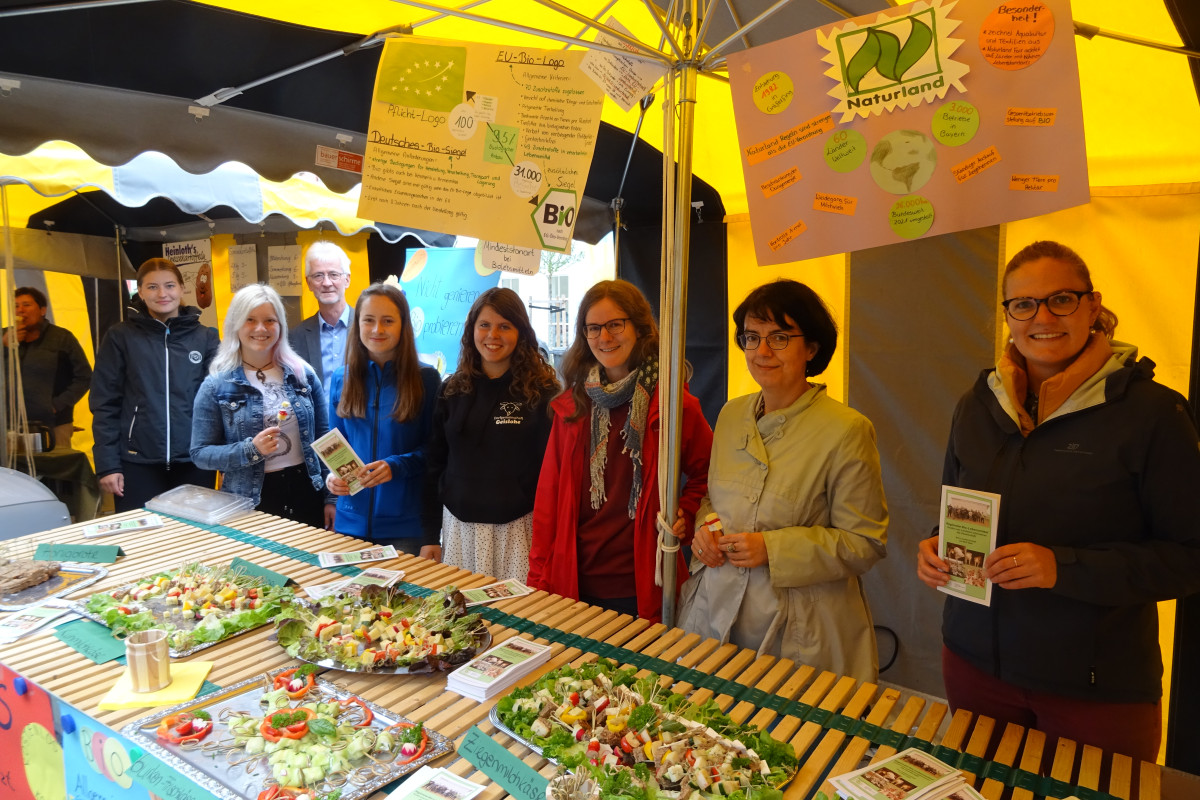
[(579, 359), (774, 301), (158, 265), (406, 368), (1106, 320), (30, 291), (532, 378)]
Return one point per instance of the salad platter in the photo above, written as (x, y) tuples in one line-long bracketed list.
[(197, 605), (383, 631), (307, 736), (612, 732), (70, 577)]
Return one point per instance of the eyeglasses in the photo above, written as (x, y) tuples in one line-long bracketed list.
[(1060, 304), (613, 326), (775, 341), (333, 277)]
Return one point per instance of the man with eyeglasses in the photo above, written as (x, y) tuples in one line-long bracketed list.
[(321, 339)]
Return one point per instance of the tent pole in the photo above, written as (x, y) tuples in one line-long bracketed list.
[(120, 282), (674, 298)]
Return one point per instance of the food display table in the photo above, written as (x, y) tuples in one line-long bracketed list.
[(831, 721)]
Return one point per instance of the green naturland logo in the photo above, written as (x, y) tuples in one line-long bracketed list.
[(888, 61)]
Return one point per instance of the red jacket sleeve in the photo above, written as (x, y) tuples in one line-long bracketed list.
[(545, 506)]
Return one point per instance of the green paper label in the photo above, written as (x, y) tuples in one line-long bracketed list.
[(90, 639), (273, 578), (514, 776), (166, 782), (93, 553)]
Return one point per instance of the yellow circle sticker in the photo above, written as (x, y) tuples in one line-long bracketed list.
[(911, 216), (43, 760), (773, 92), (955, 123), (845, 150)]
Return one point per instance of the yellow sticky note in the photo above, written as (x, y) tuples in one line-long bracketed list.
[(975, 165), (780, 182), (795, 229), (186, 679), (1030, 117), (1033, 183), (835, 203)]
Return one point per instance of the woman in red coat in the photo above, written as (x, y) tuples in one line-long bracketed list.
[(594, 532)]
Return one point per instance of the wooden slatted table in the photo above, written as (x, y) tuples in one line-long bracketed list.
[(824, 750)]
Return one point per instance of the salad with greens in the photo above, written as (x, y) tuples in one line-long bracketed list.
[(197, 605), (383, 629), (630, 738)]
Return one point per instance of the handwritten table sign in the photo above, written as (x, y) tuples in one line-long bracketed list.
[(91, 639), (92, 553), (166, 782), (514, 775)]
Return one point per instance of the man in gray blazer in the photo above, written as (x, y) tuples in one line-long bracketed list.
[(321, 339)]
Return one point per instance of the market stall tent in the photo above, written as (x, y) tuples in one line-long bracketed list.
[(920, 319)]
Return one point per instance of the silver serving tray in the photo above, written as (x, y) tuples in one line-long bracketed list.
[(483, 640), (214, 774), (494, 718), (71, 577), (181, 624)]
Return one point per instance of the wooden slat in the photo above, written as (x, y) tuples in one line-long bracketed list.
[(824, 751)]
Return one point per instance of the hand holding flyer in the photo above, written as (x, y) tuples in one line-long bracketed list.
[(337, 454), (967, 535)]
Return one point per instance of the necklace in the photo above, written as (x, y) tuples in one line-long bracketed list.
[(258, 371)]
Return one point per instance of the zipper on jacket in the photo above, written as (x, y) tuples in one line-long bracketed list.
[(1008, 482), (167, 385), (374, 440), (132, 422)]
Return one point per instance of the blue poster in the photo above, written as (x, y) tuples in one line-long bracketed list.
[(440, 284), (97, 760)]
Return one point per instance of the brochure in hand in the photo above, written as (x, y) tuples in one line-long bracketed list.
[(911, 774), (967, 536), (488, 675), (337, 454)]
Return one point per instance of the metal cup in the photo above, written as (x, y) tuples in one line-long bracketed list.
[(148, 659)]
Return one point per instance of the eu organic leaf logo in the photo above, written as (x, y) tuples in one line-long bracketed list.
[(881, 50)]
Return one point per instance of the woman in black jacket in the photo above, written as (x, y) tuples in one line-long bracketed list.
[(1096, 466), (147, 374)]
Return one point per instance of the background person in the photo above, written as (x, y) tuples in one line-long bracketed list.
[(796, 482), (148, 371), (1097, 468), (490, 427), (594, 518), (321, 339), (55, 374), (237, 426), (382, 402)]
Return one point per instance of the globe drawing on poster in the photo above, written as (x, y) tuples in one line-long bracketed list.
[(933, 117)]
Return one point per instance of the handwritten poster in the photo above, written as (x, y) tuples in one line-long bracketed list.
[(480, 140), (440, 284), (284, 269), (932, 117), (625, 79), (34, 763), (194, 260), (243, 266), (98, 761)]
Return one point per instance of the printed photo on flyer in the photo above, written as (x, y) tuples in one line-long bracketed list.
[(969, 522)]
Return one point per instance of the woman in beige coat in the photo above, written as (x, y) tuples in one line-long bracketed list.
[(795, 482)]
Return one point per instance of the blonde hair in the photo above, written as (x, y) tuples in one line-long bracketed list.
[(229, 354)]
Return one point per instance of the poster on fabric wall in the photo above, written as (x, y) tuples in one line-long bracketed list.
[(194, 260), (284, 269), (243, 266), (488, 141), (928, 118), (440, 284)]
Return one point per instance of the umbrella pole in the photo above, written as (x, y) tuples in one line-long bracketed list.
[(673, 301)]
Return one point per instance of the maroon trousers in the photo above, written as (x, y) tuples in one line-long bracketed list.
[(1133, 729)]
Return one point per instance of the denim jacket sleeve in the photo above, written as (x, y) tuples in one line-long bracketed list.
[(211, 448)]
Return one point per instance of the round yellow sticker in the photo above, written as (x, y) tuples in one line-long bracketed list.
[(911, 216), (773, 92)]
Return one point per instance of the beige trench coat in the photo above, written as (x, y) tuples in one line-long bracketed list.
[(808, 478)]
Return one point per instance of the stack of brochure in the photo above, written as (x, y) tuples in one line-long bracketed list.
[(911, 774), (486, 676)]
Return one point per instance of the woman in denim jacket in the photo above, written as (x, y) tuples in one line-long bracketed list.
[(258, 412)]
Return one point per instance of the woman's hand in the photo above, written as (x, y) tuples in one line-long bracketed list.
[(375, 473), (704, 547), (267, 441), (336, 485), (744, 549), (931, 569), (330, 514), (113, 483), (1024, 565), (431, 551)]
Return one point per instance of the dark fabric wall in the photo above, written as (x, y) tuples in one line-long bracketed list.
[(921, 326)]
